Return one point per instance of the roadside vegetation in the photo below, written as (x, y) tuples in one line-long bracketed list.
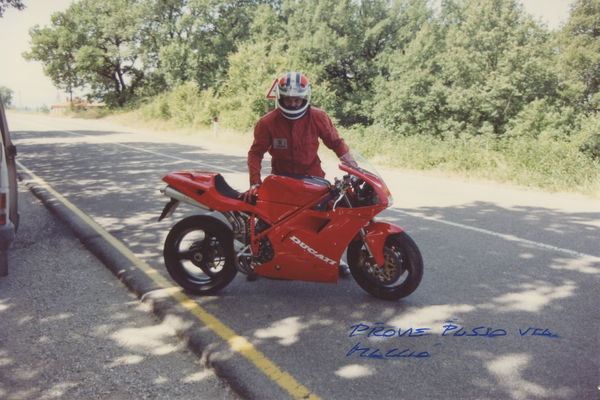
[(473, 87)]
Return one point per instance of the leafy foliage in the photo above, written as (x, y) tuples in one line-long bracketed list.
[(579, 56), (94, 45), (4, 4), (6, 96), (468, 77)]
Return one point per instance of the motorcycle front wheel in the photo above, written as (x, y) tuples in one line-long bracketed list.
[(198, 254), (400, 274)]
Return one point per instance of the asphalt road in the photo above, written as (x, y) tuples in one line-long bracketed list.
[(517, 270), (71, 331)]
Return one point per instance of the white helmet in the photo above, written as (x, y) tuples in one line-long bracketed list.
[(293, 84)]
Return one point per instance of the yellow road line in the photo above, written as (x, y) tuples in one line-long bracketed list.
[(237, 343)]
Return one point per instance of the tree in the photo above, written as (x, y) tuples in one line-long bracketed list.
[(411, 98), (56, 48), (4, 4), (219, 27), (6, 95), (251, 72), (93, 45), (191, 40), (108, 59), (579, 44), (479, 65), (496, 62), (165, 41), (340, 44)]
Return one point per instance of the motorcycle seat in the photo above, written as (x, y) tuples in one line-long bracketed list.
[(223, 188)]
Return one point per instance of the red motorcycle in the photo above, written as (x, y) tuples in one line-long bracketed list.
[(296, 229)]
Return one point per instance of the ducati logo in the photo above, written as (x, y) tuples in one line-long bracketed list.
[(312, 251)]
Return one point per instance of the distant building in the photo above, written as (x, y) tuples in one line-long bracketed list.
[(76, 104)]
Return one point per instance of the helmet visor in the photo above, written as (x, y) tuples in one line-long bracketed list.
[(293, 102)]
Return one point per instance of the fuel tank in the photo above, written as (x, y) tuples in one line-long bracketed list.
[(291, 190)]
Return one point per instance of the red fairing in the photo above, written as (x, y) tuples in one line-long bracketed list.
[(376, 182), (375, 235), (286, 190), (200, 186)]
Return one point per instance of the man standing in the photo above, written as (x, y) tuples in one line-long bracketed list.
[(291, 133)]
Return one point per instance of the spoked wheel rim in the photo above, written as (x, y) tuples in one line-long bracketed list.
[(392, 273), (400, 273), (198, 254), (201, 256)]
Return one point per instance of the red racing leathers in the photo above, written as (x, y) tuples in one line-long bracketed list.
[(293, 144)]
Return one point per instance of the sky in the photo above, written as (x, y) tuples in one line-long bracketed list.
[(32, 89)]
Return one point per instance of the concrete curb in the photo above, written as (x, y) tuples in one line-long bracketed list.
[(122, 268), (163, 306)]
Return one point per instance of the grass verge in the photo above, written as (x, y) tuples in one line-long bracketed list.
[(536, 163)]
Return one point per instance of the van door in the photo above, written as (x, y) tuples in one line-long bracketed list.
[(9, 212)]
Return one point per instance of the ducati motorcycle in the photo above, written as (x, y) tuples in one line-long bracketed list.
[(297, 228)]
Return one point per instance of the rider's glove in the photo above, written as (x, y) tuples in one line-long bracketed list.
[(249, 196), (348, 159)]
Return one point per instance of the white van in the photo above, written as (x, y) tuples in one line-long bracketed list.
[(9, 215)]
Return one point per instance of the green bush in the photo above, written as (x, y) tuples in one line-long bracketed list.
[(185, 106), (543, 162), (539, 119), (588, 137)]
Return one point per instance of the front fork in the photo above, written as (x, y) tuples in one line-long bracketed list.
[(374, 235)]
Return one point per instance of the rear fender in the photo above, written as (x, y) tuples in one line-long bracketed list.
[(375, 235), (207, 190)]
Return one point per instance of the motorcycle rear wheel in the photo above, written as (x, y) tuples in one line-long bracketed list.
[(400, 274), (198, 254)]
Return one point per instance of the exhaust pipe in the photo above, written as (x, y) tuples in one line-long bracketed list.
[(177, 195)]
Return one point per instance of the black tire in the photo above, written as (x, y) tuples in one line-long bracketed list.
[(400, 275), (198, 254)]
